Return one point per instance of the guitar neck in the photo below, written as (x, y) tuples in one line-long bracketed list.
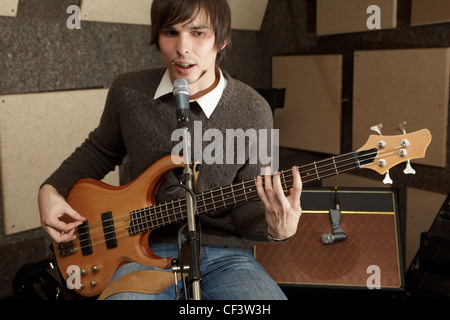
[(167, 213)]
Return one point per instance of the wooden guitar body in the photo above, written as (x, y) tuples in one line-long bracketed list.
[(101, 204)]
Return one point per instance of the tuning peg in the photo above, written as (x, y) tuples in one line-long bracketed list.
[(387, 179), (409, 169), (377, 128), (402, 127)]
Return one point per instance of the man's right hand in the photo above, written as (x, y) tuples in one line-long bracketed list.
[(52, 206)]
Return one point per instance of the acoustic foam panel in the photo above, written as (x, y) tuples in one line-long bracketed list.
[(411, 85), (311, 117), (245, 14), (9, 8), (348, 16), (37, 132), (430, 12)]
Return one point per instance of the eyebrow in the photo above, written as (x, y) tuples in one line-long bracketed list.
[(194, 27)]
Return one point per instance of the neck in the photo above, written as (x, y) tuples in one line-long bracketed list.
[(214, 84), (167, 213)]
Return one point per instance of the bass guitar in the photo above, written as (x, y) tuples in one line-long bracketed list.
[(120, 219)]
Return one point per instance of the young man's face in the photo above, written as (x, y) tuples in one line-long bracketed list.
[(188, 51)]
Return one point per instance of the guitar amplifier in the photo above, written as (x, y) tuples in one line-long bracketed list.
[(369, 259)]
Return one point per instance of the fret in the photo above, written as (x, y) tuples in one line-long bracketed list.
[(245, 193), (212, 198), (140, 219), (223, 198), (146, 219), (317, 172), (168, 215), (232, 194), (335, 167), (174, 208), (157, 216), (204, 201), (283, 180)]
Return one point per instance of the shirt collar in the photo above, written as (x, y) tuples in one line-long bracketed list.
[(208, 102)]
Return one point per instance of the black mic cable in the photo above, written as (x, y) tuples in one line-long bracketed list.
[(337, 234)]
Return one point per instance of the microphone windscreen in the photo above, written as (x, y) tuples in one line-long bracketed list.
[(180, 86), (326, 238)]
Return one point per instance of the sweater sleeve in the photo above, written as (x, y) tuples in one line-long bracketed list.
[(99, 153), (249, 217)]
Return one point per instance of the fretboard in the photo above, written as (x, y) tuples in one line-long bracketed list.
[(170, 212)]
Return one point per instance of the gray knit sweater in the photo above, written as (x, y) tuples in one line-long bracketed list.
[(136, 126)]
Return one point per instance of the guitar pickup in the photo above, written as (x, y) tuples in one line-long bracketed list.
[(85, 239), (109, 231)]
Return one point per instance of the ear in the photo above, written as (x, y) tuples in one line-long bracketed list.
[(223, 45)]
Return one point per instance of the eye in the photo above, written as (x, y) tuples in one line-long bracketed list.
[(199, 34), (169, 33)]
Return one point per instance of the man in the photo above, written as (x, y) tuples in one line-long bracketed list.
[(139, 117)]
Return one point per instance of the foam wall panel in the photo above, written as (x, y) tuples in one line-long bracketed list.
[(348, 16), (311, 117), (9, 8), (37, 132), (245, 14), (430, 12), (411, 85)]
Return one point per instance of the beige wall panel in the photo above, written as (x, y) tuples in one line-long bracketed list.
[(348, 16), (9, 8), (37, 132), (311, 117), (422, 208), (412, 85), (117, 11), (246, 14), (430, 12)]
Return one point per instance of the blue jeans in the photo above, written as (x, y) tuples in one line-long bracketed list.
[(227, 274)]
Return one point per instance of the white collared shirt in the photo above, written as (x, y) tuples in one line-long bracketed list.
[(207, 102)]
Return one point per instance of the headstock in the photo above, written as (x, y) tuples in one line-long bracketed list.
[(393, 150)]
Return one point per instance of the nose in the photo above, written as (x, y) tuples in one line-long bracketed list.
[(183, 44)]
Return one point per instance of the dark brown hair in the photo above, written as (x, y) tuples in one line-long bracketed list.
[(166, 13)]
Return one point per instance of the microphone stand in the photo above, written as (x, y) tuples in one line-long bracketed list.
[(193, 236)]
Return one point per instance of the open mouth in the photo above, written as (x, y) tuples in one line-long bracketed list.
[(183, 67)]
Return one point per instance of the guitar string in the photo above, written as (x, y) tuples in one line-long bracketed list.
[(287, 174), (349, 157)]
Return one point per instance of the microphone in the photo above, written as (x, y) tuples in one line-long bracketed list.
[(330, 238), (338, 234), (181, 95)]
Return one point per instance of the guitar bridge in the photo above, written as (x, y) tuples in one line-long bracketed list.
[(66, 249)]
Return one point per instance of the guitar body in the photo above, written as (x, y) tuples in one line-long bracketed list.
[(92, 199)]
